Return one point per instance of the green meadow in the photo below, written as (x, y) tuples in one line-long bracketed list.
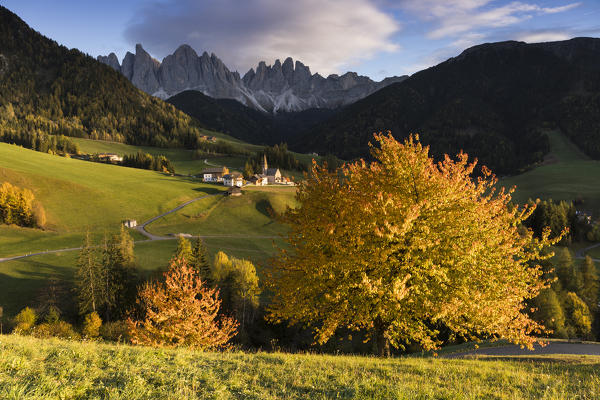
[(79, 195), (567, 174), (51, 369)]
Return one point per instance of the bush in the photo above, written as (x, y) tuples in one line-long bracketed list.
[(59, 329), (114, 331), (25, 320), (91, 325)]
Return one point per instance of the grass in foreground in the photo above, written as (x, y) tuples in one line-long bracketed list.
[(47, 369)]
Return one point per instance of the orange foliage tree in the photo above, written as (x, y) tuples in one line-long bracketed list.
[(181, 312), (404, 247)]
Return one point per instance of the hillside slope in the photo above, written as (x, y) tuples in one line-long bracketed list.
[(47, 88), (490, 101), (50, 368), (235, 119)]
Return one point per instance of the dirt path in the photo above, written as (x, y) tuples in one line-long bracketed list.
[(549, 349)]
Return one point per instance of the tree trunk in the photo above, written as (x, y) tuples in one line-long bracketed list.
[(382, 342)]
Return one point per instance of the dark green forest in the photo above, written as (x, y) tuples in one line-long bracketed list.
[(49, 89), (493, 101)]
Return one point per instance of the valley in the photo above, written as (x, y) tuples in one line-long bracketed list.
[(174, 229)]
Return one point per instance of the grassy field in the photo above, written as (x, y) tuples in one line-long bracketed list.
[(50, 369), (567, 174), (244, 215), (80, 195)]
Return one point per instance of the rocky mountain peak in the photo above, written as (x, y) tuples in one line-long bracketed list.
[(287, 86)]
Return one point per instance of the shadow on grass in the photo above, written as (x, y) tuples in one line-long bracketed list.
[(17, 293)]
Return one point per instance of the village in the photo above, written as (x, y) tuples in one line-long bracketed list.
[(234, 179)]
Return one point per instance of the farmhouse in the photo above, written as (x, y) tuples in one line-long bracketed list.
[(130, 223), (259, 180), (110, 157), (214, 174), (233, 179)]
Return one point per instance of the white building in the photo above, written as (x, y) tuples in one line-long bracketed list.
[(215, 174), (130, 223), (233, 179)]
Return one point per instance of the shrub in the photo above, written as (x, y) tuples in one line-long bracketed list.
[(114, 331), (91, 325), (59, 329), (25, 320)]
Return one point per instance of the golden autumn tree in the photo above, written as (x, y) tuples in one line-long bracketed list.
[(404, 246), (181, 312)]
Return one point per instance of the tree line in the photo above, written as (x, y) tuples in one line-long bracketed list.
[(278, 156), (148, 161), (19, 207), (568, 307)]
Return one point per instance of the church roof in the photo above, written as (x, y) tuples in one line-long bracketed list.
[(272, 171)]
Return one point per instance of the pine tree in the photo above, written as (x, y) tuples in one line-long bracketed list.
[(184, 249), (569, 275), (578, 316), (591, 285), (199, 261), (89, 278), (121, 273), (549, 312)]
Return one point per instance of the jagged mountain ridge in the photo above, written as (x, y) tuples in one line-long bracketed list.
[(286, 87)]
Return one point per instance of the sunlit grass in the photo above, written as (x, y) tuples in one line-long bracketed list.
[(50, 369)]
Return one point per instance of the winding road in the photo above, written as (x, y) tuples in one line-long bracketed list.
[(151, 237), (580, 254)]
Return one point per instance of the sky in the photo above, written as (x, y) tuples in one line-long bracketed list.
[(377, 38)]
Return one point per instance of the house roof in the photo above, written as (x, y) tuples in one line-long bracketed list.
[(235, 175), (214, 170)]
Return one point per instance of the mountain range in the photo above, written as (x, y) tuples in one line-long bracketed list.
[(281, 87), (494, 101)]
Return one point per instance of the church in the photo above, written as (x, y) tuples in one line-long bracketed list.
[(269, 176)]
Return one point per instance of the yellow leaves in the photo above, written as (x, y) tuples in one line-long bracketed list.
[(408, 241), (181, 312)]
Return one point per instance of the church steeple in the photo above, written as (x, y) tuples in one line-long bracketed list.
[(265, 166)]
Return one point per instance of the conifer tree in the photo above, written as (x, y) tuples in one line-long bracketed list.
[(591, 285), (184, 249), (89, 278), (199, 261), (120, 273), (549, 312), (566, 271)]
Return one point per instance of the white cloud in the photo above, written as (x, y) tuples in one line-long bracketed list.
[(324, 34), (459, 17), (544, 36)]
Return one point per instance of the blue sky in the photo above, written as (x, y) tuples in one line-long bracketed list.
[(377, 38)]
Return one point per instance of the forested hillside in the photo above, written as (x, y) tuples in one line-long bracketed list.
[(47, 88), (493, 101), (235, 119)]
